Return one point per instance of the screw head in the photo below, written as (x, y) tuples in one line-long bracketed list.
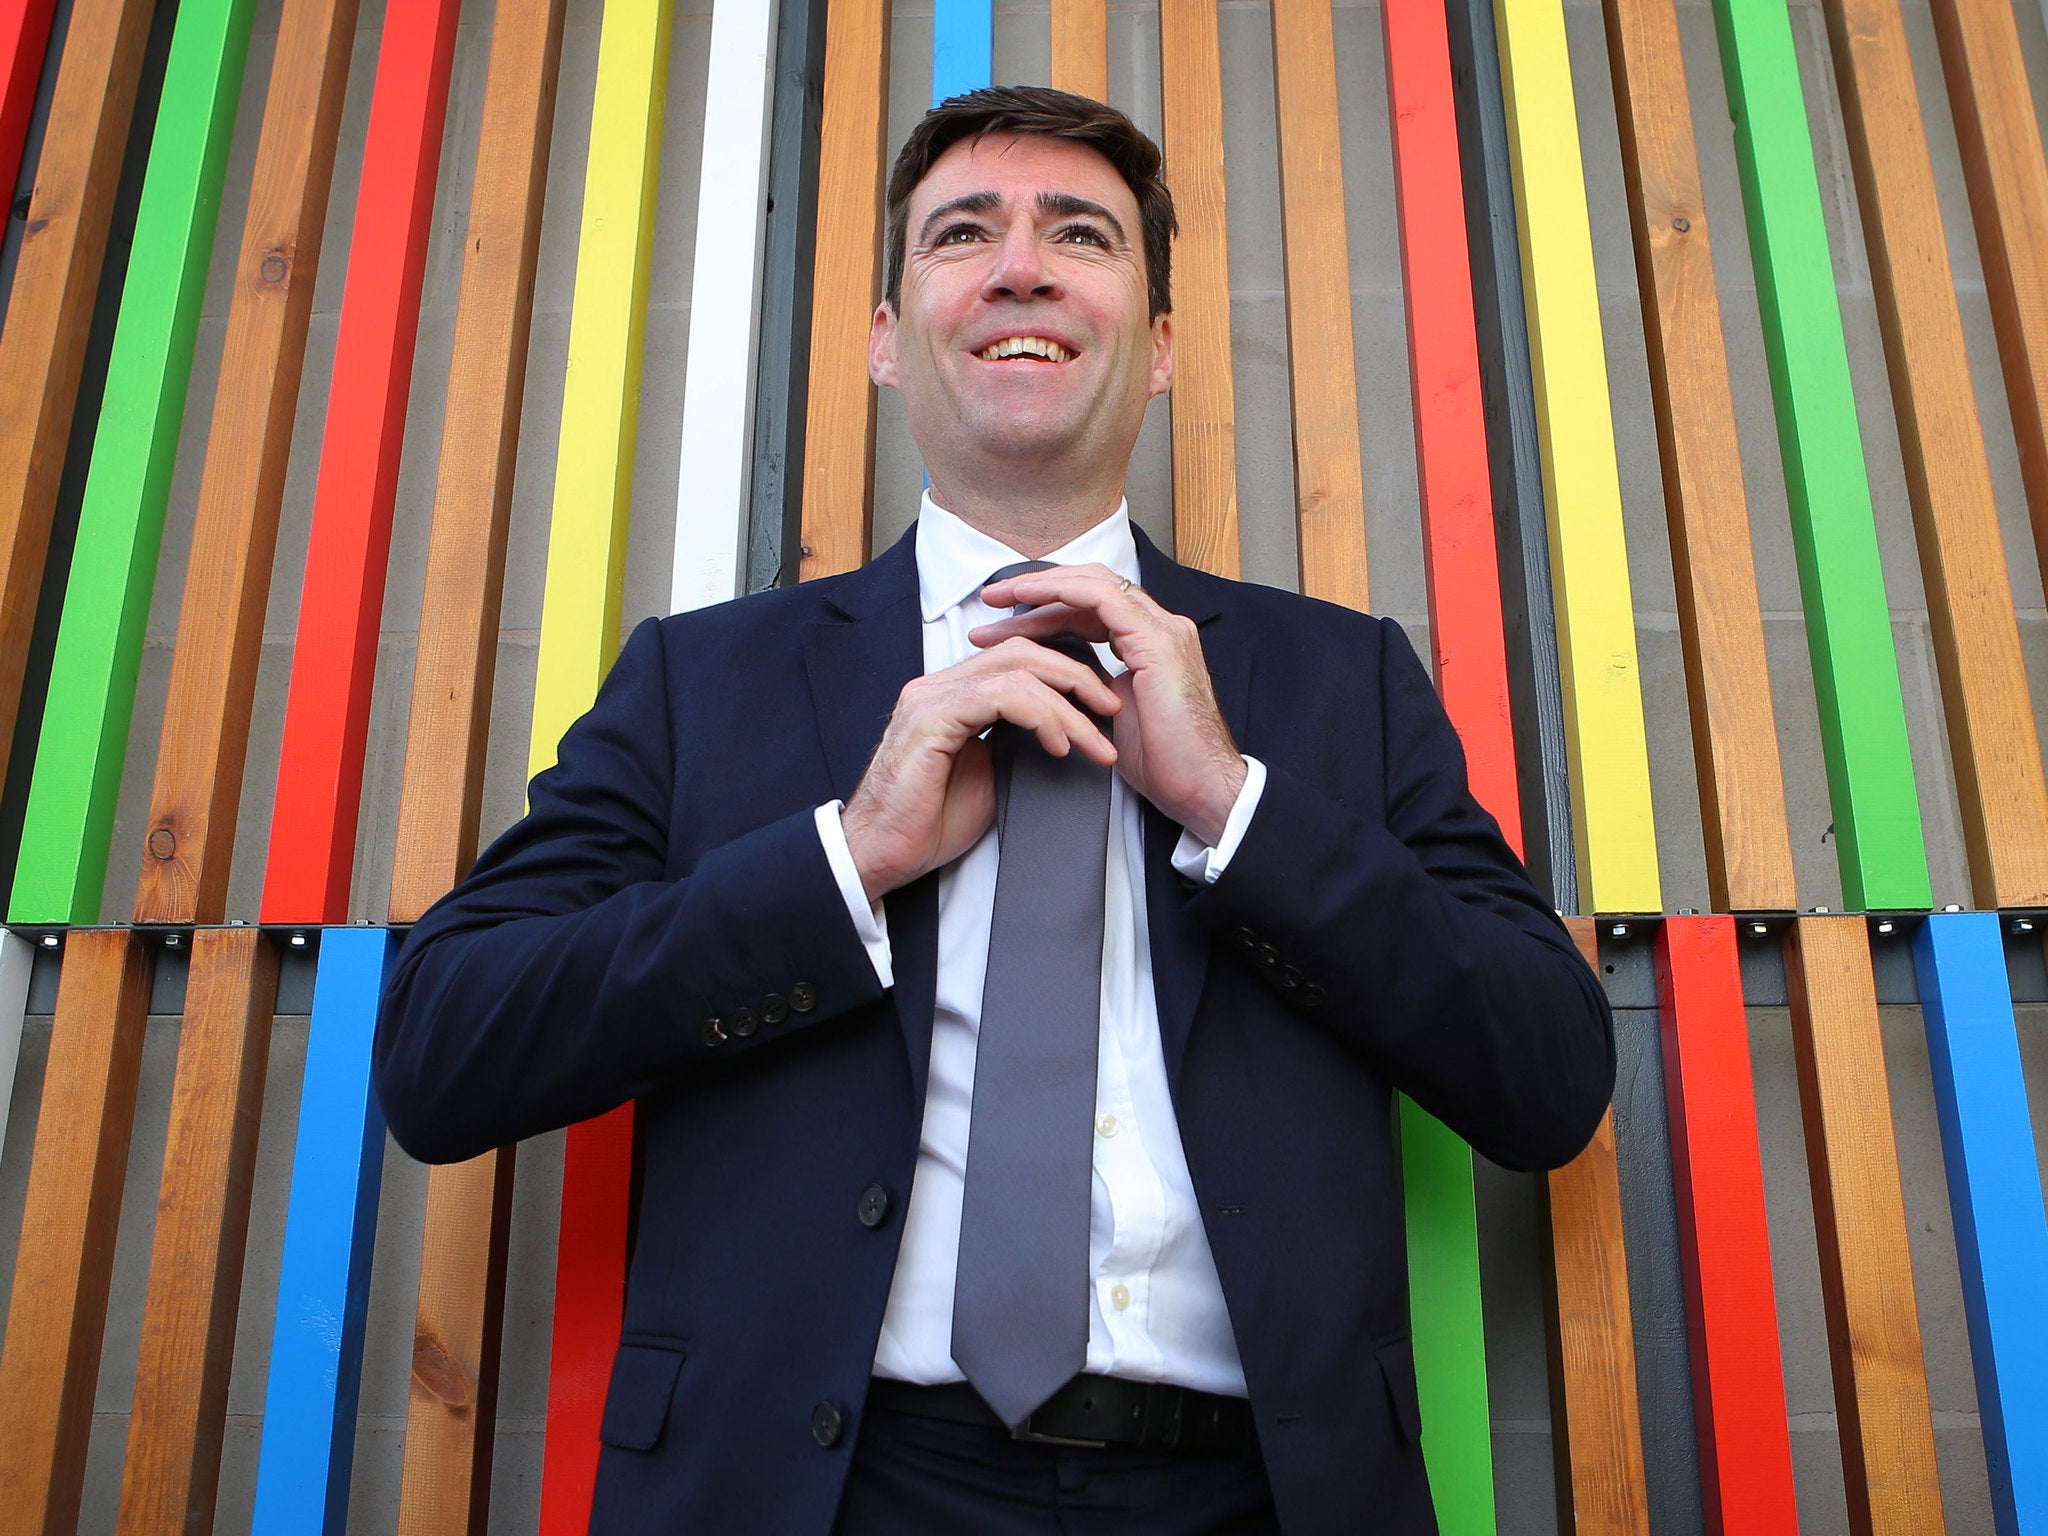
[(51, 941), (298, 941), (163, 842)]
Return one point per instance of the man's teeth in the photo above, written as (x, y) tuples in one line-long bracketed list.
[(1025, 346)]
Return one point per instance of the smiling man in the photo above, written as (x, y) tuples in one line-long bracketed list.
[(1014, 947)]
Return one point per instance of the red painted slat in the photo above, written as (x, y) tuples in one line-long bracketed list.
[(1724, 1241), (320, 766), (24, 36), (590, 1308), (1461, 564)]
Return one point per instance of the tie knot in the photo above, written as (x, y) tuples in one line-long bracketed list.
[(1020, 568)]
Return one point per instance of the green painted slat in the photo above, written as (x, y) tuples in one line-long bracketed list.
[(1446, 1320), (1848, 622), (70, 813)]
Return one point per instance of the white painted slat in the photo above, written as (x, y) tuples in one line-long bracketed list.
[(725, 302)]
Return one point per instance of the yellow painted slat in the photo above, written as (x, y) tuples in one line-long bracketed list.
[(579, 627), (1603, 698)]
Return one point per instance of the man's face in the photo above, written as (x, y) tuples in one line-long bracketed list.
[(1023, 334)]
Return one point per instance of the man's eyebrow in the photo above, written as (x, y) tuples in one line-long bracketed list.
[(1066, 205), (971, 202)]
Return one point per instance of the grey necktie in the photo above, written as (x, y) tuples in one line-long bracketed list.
[(1020, 1301)]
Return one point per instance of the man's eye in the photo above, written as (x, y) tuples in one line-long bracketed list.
[(1083, 234), (958, 234)]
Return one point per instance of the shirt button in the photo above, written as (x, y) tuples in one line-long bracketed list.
[(1106, 1126), (1119, 1297)]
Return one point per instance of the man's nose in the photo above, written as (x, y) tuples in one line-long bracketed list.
[(1020, 267)]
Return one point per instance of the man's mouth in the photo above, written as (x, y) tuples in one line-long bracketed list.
[(1040, 347)]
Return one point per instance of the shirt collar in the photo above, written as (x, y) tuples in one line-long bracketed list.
[(955, 558)]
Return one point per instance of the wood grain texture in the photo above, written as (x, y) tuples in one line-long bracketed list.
[(1596, 639), (1322, 367), (198, 783), (2001, 789), (57, 1310), (1738, 1380), (1999, 138), (1596, 1419), (839, 419), (49, 308), (441, 795), (1859, 1214), (1204, 399), (172, 1471), (341, 601), (1735, 734), (1461, 558), (1080, 47), (451, 1410)]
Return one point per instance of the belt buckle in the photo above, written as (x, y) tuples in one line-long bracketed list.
[(1029, 1436)]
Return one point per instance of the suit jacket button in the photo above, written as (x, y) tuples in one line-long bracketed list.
[(1268, 956), (741, 1023), (803, 997), (826, 1425), (713, 1033), (1244, 939), (1289, 978), (1311, 996), (874, 1206), (774, 1008)]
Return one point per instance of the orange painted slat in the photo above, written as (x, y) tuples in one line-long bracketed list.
[(1080, 47)]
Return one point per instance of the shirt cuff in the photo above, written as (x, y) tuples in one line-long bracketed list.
[(868, 919), (1194, 859)]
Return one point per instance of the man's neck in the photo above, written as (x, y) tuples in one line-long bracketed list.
[(1031, 525)]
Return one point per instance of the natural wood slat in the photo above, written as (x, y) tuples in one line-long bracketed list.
[(227, 578), (172, 1471), (58, 1308), (49, 308), (1735, 736), (1859, 1217), (1999, 138), (1322, 367), (839, 432), (1592, 1338), (1080, 47), (1204, 400), (2001, 789)]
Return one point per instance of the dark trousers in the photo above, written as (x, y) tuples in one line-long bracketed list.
[(926, 1477)]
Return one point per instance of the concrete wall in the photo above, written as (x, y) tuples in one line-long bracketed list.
[(1510, 1244)]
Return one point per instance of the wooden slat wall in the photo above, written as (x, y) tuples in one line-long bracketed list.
[(578, 639), (2000, 787), (451, 1416), (1080, 47), (839, 427), (49, 307), (341, 601), (1203, 401), (69, 821), (57, 1310)]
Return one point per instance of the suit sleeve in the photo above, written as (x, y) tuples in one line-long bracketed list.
[(567, 973), (1419, 939)]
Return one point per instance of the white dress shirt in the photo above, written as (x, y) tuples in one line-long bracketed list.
[(1157, 1311)]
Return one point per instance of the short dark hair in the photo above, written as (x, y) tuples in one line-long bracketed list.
[(1038, 109)]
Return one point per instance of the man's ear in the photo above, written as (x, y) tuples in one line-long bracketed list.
[(1162, 354), (882, 346)]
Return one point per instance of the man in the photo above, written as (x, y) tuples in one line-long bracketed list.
[(905, 1262)]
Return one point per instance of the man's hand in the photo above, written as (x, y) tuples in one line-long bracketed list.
[(1172, 745), (929, 791)]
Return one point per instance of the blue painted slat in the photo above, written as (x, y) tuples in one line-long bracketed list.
[(316, 1348), (963, 45), (1994, 1190)]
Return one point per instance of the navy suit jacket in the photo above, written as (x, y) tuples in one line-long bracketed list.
[(1372, 932)]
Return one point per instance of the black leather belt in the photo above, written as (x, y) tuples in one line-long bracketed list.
[(1092, 1411)]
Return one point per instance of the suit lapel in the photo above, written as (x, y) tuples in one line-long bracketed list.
[(858, 662), (1180, 949)]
